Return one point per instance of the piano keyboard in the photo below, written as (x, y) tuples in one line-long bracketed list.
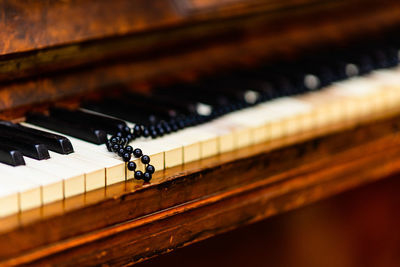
[(78, 161)]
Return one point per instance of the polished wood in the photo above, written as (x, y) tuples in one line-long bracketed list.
[(130, 223), (357, 228)]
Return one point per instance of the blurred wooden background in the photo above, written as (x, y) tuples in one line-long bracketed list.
[(356, 228)]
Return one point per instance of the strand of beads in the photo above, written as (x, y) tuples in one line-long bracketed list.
[(119, 144)]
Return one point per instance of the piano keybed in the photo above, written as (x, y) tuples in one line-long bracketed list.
[(259, 114)]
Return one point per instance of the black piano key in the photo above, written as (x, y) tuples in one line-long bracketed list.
[(151, 110), (54, 142), (110, 125), (26, 146), (194, 93), (79, 131), (128, 113), (11, 156), (183, 107)]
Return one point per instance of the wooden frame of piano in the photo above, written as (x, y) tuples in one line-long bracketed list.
[(198, 200)]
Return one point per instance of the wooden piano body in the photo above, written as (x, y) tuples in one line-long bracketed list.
[(54, 51)]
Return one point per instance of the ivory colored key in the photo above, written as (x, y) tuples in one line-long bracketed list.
[(114, 166), (284, 116), (94, 172), (72, 179), (252, 120), (8, 198), (325, 110), (389, 80), (191, 148), (173, 150), (364, 92), (52, 185), (207, 137), (227, 127), (29, 191)]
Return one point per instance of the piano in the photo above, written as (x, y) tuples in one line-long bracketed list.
[(134, 128)]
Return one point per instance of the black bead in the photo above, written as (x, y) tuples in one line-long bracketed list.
[(145, 159), (128, 149), (146, 132), (153, 134), (115, 147), (167, 129), (137, 130), (126, 157), (113, 140), (147, 177), (137, 152), (174, 127), (121, 127), (120, 151), (150, 169), (127, 130), (129, 137), (119, 134), (138, 175), (181, 124), (131, 166), (160, 131)]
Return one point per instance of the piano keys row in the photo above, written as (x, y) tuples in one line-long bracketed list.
[(91, 166)]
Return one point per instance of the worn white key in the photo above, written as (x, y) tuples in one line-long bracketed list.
[(228, 127), (52, 184), (71, 179), (114, 166), (206, 135), (93, 171), (8, 198), (27, 182), (284, 116)]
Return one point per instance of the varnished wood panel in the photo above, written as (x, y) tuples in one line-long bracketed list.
[(30, 25), (196, 201), (358, 228)]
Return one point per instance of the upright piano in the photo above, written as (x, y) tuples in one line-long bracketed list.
[(134, 128)]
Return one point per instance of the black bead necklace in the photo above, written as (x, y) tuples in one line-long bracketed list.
[(119, 144)]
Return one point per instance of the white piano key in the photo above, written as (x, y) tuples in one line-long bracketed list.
[(27, 182), (114, 166), (207, 135), (8, 199), (94, 172), (227, 128), (284, 116), (72, 180), (52, 184), (173, 150)]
